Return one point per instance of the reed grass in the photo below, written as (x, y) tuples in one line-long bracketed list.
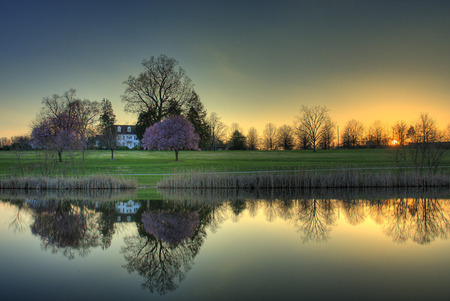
[(302, 179), (72, 183)]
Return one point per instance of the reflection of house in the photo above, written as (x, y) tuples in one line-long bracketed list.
[(127, 210), (126, 136)]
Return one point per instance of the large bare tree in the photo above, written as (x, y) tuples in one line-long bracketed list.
[(163, 89), (311, 122)]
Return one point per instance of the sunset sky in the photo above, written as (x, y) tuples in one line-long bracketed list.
[(252, 62)]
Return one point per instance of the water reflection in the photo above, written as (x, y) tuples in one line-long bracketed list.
[(314, 218), (170, 234), (421, 220), (168, 239)]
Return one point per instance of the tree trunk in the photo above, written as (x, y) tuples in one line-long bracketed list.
[(60, 156), (176, 155), (112, 154), (83, 161)]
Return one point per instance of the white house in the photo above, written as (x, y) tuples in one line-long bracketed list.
[(126, 210), (126, 136)]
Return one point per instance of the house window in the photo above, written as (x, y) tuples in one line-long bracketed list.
[(129, 129), (119, 129)]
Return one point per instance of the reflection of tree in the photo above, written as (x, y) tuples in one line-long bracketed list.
[(171, 227), (67, 228), (164, 249), (18, 221), (354, 211), (397, 223), (314, 219), (106, 223), (237, 207), (422, 220), (430, 221)]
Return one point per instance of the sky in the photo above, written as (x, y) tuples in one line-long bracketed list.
[(252, 62)]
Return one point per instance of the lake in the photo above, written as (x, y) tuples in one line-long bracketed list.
[(227, 246)]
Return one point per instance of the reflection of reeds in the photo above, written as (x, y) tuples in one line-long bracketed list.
[(72, 195), (302, 179), (86, 183), (220, 195)]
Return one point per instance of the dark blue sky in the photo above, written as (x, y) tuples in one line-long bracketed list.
[(252, 62)]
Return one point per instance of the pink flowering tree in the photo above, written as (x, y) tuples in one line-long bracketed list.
[(174, 133), (59, 133)]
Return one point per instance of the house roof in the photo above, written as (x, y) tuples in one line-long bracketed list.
[(124, 129)]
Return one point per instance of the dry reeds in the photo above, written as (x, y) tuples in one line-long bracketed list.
[(303, 179), (82, 183)]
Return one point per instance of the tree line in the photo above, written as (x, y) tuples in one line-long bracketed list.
[(164, 90)]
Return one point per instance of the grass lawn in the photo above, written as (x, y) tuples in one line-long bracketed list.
[(128, 163)]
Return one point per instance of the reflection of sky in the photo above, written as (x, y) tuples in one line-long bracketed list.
[(245, 256), (368, 60)]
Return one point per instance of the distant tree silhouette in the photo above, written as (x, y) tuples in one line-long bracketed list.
[(252, 139), (217, 130), (270, 136), (237, 141), (327, 137), (285, 137), (353, 133)]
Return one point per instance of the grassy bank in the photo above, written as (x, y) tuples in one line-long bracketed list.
[(149, 167)]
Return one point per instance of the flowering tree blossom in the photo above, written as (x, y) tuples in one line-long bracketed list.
[(58, 133), (175, 133), (171, 227)]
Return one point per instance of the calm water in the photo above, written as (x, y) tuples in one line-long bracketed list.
[(384, 248)]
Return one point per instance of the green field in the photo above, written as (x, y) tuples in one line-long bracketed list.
[(148, 167)]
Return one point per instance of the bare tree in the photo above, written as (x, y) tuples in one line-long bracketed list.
[(285, 137), (303, 140), (400, 130), (446, 134), (426, 130), (269, 136), (327, 134), (425, 151), (311, 122), (377, 134), (163, 89), (353, 133), (217, 130), (252, 139)]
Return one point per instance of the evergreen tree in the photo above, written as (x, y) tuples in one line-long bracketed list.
[(107, 128), (237, 141), (196, 114)]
